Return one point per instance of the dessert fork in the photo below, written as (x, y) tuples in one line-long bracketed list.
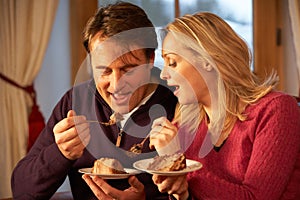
[(137, 148)]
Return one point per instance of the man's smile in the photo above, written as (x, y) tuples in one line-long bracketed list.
[(120, 98)]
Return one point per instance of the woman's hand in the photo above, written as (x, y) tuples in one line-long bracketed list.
[(173, 185), (103, 190), (162, 134)]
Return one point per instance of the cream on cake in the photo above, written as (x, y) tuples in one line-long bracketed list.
[(107, 166), (174, 162)]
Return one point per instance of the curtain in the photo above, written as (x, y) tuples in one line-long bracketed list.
[(24, 33), (294, 11)]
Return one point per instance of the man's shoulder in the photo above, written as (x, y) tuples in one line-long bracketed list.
[(83, 85), (163, 96)]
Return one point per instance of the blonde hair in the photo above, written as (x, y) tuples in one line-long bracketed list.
[(231, 57)]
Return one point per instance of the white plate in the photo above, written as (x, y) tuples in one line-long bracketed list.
[(142, 165), (129, 171)]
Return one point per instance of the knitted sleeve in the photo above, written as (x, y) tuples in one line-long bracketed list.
[(40, 173), (271, 167)]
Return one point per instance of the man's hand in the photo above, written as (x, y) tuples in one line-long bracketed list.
[(72, 135), (103, 190)]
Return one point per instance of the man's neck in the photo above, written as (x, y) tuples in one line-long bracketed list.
[(151, 89)]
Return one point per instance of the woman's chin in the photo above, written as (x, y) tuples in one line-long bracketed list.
[(184, 101)]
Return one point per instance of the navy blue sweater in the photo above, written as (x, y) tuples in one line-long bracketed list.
[(42, 171)]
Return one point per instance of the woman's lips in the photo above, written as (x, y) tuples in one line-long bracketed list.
[(176, 90)]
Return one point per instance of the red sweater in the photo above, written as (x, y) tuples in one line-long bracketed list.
[(259, 160)]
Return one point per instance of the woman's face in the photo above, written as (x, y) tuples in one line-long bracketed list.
[(179, 73)]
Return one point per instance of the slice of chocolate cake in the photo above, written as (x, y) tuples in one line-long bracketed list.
[(174, 162), (107, 166)]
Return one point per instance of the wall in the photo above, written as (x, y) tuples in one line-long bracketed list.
[(289, 57)]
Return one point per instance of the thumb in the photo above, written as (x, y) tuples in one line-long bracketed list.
[(151, 146), (135, 183), (71, 113)]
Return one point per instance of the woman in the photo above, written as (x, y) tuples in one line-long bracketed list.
[(246, 134)]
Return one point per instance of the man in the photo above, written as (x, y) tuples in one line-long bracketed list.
[(121, 41)]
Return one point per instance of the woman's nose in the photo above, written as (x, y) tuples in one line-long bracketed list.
[(164, 74)]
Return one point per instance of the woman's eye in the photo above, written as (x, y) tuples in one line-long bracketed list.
[(172, 64)]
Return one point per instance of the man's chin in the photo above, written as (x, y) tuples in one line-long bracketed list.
[(121, 109)]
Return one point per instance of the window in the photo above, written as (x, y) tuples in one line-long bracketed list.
[(237, 13)]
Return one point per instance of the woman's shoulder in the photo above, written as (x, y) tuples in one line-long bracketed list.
[(277, 98), (276, 110), (274, 103)]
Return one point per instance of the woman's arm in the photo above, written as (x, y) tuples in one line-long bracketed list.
[(275, 151)]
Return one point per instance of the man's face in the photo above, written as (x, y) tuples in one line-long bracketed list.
[(121, 77)]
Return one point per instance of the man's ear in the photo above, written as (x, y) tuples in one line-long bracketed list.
[(151, 59)]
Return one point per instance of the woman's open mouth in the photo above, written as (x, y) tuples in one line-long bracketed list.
[(174, 88)]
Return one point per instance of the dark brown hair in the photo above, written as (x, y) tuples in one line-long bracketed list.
[(122, 16)]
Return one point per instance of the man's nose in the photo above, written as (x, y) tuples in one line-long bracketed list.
[(116, 81)]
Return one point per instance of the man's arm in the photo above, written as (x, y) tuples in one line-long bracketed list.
[(41, 172)]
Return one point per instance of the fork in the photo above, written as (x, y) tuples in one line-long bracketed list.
[(137, 148), (95, 121)]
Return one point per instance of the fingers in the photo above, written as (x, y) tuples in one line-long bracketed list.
[(162, 132), (136, 184), (162, 121), (72, 135), (103, 190), (100, 188), (106, 189), (68, 122), (72, 147), (71, 113), (95, 185), (163, 124), (157, 179), (172, 184)]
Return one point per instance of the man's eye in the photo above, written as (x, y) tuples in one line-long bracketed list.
[(129, 72), (105, 72)]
